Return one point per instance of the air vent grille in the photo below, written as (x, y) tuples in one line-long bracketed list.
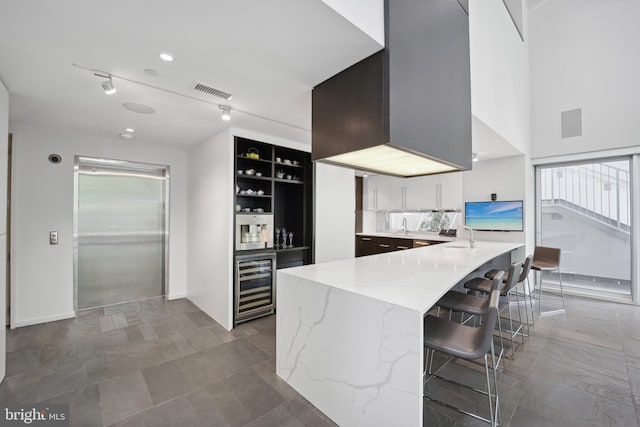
[(201, 87)]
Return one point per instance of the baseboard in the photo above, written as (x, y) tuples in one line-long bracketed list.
[(44, 319), (176, 296)]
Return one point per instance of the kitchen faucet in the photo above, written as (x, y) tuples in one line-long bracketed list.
[(472, 242)]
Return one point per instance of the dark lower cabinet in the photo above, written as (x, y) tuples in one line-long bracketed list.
[(372, 245)]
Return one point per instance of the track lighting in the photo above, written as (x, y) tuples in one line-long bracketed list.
[(226, 112), (108, 87)]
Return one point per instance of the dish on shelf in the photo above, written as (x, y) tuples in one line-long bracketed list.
[(289, 177), (246, 210), (260, 193), (286, 161), (258, 210), (250, 172), (238, 208), (239, 171), (243, 192), (280, 174), (250, 192), (258, 173), (296, 163), (295, 178)]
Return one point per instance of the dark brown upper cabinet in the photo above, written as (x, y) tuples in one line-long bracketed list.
[(405, 110)]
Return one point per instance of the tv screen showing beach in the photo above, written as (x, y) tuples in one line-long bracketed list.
[(494, 216)]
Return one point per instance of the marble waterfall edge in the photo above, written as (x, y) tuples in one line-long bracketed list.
[(352, 356)]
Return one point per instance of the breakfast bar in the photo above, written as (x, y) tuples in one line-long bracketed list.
[(349, 332)]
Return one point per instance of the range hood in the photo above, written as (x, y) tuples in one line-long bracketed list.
[(405, 110)]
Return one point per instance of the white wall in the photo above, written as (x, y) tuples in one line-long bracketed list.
[(367, 15), (335, 204), (4, 132), (584, 55), (499, 72), (42, 195), (506, 177), (210, 253)]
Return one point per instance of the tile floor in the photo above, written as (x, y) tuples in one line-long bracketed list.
[(157, 363)]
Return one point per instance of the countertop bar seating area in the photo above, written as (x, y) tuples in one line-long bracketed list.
[(349, 333)]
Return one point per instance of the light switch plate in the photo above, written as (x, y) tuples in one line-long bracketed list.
[(53, 237)]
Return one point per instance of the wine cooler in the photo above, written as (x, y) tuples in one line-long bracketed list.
[(254, 286)]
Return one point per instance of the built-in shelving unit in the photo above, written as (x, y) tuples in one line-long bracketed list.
[(283, 178)]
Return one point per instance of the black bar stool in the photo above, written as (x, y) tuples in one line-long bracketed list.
[(507, 289), (468, 343), (547, 259)]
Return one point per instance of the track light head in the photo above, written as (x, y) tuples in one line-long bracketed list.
[(108, 87), (226, 112)]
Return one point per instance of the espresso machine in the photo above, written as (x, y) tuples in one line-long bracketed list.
[(254, 232)]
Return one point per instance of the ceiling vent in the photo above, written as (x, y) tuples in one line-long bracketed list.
[(202, 87)]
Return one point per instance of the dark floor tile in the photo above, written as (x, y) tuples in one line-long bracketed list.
[(201, 319), (267, 371), (165, 381), (202, 338), (123, 396), (525, 417), (615, 387), (254, 393), (70, 376), (133, 334), (278, 417), (103, 341), (84, 406), (543, 395), (215, 405), (119, 320), (181, 343), (175, 413), (24, 388), (307, 414)]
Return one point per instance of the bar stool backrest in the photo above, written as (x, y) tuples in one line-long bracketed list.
[(547, 256), (513, 278), (526, 268), (485, 336), (497, 280)]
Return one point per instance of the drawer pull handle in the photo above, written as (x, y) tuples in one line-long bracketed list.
[(402, 247), (366, 238), (383, 246), (422, 243)]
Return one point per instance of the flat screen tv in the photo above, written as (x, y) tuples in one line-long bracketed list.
[(494, 216)]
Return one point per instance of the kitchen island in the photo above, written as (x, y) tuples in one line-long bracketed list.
[(349, 332)]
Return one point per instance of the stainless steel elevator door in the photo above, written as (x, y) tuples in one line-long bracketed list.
[(121, 234)]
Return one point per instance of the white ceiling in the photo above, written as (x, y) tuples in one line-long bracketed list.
[(268, 54)]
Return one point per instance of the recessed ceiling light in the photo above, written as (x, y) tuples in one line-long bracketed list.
[(138, 108), (130, 130), (126, 136), (166, 56)]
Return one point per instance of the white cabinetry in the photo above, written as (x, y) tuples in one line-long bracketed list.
[(429, 192), (451, 191)]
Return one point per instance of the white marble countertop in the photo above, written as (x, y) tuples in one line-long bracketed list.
[(409, 235), (414, 278)]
